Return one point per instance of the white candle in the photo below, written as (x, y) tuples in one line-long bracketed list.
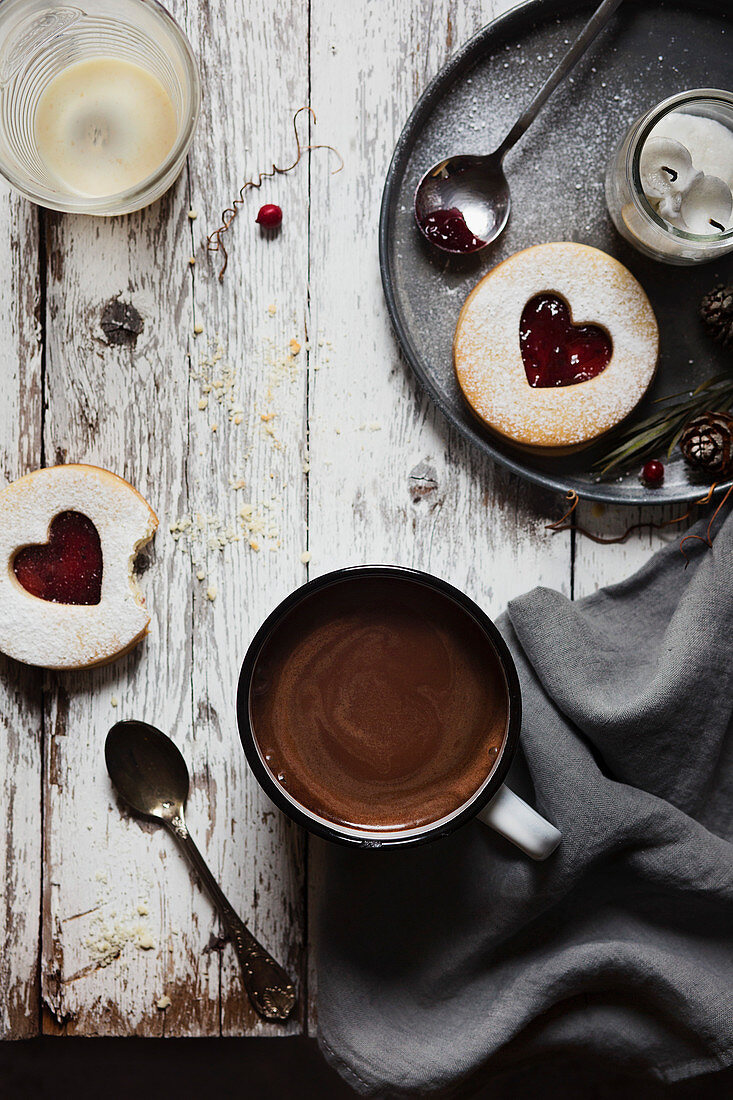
[(103, 126), (709, 143), (686, 171)]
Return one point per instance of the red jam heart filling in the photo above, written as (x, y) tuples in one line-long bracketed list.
[(555, 352), (68, 568)]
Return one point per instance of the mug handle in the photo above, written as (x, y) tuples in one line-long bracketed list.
[(511, 816)]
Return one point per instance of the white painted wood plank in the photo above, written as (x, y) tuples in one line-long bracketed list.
[(138, 412), (108, 877), (373, 436), (20, 687), (255, 67), (370, 427)]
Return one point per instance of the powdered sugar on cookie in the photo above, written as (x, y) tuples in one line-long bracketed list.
[(59, 635), (600, 291)]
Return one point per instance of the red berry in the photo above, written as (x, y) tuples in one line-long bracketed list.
[(269, 216), (653, 472)]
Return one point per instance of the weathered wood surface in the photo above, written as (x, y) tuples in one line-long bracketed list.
[(21, 726), (136, 409), (334, 453), (255, 61)]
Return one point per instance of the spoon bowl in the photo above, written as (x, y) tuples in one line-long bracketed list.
[(463, 203), (147, 770)]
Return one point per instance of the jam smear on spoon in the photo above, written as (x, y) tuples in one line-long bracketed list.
[(555, 352), (66, 569), (449, 229)]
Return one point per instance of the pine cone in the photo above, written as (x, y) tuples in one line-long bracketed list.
[(707, 443), (716, 310)]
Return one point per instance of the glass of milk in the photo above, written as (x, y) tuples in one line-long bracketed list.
[(98, 106), (669, 186)]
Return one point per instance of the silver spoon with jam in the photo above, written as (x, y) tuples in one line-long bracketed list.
[(463, 202)]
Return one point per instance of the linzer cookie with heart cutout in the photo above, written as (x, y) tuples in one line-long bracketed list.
[(68, 540), (555, 346)]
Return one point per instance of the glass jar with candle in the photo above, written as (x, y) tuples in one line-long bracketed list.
[(98, 107), (669, 186)]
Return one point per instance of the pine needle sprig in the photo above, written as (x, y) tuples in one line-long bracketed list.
[(664, 427)]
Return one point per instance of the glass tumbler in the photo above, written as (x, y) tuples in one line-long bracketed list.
[(631, 211), (41, 40)]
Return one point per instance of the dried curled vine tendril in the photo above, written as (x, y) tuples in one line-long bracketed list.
[(214, 242), (706, 539), (574, 500)]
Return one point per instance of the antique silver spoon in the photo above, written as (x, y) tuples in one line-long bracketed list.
[(151, 776), (462, 203)]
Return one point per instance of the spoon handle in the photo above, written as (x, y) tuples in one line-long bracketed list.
[(269, 988), (593, 27)]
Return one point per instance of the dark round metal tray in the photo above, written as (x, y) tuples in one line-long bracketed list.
[(649, 51)]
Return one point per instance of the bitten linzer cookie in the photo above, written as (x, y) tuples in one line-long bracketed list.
[(555, 346), (68, 539)]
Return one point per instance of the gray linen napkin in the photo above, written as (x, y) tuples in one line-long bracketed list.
[(437, 962)]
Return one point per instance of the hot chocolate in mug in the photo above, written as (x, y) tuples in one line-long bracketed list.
[(379, 706)]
